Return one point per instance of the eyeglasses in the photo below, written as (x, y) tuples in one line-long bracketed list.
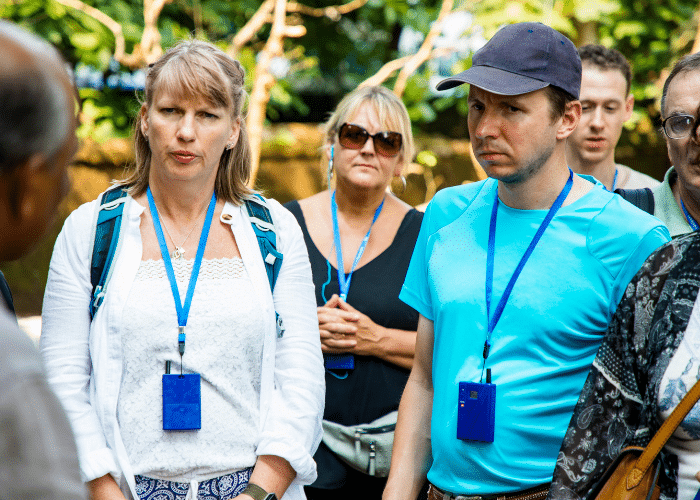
[(678, 126), (354, 137)]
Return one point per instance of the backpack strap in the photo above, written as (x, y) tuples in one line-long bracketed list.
[(264, 228), (642, 198), (106, 241)]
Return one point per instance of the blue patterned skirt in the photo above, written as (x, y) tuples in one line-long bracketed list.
[(218, 488)]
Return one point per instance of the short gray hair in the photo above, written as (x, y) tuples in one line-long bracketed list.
[(35, 108), (684, 65)]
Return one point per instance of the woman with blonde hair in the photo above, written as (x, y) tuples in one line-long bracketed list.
[(188, 291), (360, 239)]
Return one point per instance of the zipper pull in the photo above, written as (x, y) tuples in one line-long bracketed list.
[(357, 442), (372, 469)]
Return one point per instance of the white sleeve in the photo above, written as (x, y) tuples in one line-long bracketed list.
[(292, 429), (65, 338)]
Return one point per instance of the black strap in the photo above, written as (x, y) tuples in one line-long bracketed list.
[(641, 198), (6, 293)]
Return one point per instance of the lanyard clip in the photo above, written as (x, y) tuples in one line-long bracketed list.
[(181, 340), (487, 348)]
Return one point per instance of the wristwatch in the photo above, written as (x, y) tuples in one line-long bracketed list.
[(258, 493)]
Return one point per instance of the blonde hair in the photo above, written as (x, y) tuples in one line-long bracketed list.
[(198, 69), (390, 109)]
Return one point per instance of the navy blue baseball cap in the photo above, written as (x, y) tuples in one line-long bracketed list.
[(522, 58)]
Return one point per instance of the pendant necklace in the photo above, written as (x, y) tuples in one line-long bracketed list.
[(179, 251)]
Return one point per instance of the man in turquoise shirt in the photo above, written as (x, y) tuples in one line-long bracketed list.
[(517, 275)]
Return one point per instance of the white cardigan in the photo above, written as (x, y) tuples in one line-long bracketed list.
[(84, 360)]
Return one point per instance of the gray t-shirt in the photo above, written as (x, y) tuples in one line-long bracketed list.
[(38, 459)]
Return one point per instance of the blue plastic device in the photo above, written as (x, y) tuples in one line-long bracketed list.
[(182, 402), (476, 411)]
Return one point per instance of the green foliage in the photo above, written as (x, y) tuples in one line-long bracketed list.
[(336, 55)]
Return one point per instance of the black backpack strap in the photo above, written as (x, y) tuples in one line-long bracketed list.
[(106, 241), (641, 198)]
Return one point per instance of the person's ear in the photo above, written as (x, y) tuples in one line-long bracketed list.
[(629, 106), (400, 164), (143, 120), (569, 120), (235, 133), (21, 187), (327, 149)]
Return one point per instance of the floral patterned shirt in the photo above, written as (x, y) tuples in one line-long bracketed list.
[(618, 406)]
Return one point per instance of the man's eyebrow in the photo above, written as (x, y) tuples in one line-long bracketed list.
[(679, 113)]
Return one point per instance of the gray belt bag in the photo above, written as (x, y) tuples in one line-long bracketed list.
[(364, 447)]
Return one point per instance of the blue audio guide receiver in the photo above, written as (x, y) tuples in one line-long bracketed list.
[(476, 411)]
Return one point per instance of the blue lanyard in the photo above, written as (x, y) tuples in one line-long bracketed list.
[(493, 320), (183, 310), (691, 222), (343, 281)]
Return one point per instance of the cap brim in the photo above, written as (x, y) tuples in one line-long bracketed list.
[(494, 80)]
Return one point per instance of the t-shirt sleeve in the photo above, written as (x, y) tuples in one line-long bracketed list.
[(651, 241), (416, 289)]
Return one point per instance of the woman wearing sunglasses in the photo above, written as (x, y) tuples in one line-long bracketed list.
[(367, 334)]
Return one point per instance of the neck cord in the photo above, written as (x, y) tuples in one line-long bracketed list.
[(183, 310), (691, 220), (343, 279), (614, 184), (490, 257)]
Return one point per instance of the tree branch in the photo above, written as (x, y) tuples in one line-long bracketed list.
[(425, 51), (262, 83), (111, 24), (148, 50), (332, 12), (254, 24), (386, 71)]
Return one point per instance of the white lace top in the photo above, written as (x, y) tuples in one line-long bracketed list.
[(224, 345), (681, 374)]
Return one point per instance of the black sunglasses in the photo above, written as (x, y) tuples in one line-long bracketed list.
[(354, 137)]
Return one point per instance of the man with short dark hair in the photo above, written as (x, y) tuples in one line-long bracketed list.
[(606, 104), (38, 458), (515, 279)]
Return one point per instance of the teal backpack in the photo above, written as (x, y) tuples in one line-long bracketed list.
[(107, 239)]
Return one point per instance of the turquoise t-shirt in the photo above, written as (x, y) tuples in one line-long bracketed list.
[(543, 345)]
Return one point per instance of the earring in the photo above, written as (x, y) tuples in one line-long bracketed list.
[(229, 146), (403, 185), (329, 174)]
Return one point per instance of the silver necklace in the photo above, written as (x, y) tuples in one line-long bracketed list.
[(179, 252)]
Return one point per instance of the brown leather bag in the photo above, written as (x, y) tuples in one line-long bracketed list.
[(634, 473)]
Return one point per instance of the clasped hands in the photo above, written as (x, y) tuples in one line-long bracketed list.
[(345, 330)]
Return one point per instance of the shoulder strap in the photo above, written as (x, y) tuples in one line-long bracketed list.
[(6, 293), (107, 229), (642, 198), (663, 434), (264, 227)]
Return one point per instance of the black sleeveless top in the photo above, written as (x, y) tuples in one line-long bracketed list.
[(374, 387)]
